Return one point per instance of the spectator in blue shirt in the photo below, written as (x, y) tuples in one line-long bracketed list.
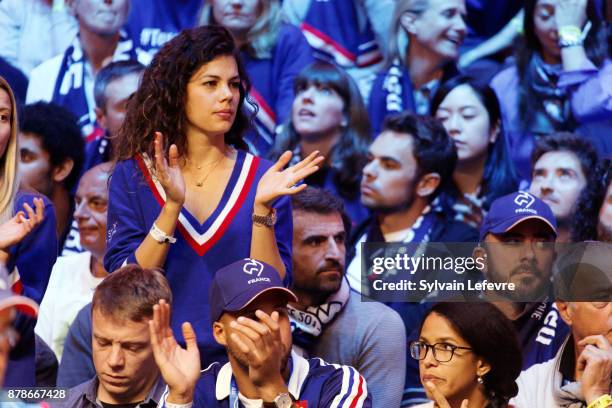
[(248, 307)]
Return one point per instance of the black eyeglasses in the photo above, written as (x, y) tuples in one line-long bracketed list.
[(442, 352)]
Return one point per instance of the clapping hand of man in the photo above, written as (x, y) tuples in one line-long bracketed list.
[(179, 367), (260, 341), (594, 367)]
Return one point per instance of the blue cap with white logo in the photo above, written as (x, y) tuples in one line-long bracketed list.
[(508, 211), (238, 284)]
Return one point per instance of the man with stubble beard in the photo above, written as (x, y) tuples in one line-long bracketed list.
[(407, 165), (517, 243), (330, 320)]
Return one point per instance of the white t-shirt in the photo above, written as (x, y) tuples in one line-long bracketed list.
[(71, 287)]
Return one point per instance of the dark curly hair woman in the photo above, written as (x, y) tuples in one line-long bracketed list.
[(184, 196), (593, 214), (469, 356)]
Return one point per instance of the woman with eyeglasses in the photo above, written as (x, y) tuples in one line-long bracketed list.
[(469, 356)]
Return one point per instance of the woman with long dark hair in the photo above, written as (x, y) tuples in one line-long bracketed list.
[(471, 115), (561, 78), (328, 115), (424, 42), (181, 168), (469, 356)]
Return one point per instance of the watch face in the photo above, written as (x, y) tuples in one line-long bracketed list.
[(283, 401)]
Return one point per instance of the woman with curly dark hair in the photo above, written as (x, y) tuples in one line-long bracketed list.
[(561, 78), (593, 214), (469, 356), (225, 203), (328, 115)]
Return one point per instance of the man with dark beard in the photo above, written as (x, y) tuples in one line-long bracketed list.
[(408, 163), (517, 243), (248, 305), (330, 320)]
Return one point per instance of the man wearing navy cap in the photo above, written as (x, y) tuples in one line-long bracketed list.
[(517, 241), (248, 307), (519, 232)]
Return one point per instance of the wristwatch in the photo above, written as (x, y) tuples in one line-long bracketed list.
[(267, 220), (282, 400)]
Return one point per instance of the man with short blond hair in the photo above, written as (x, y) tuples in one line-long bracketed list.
[(126, 373)]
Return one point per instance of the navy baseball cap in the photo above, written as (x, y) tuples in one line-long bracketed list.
[(510, 210), (238, 284), (9, 299)]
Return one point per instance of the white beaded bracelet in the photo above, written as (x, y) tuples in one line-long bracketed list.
[(160, 236)]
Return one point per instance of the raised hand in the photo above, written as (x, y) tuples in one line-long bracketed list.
[(168, 171), (179, 367), (277, 182), (439, 398), (570, 13), (261, 344), (594, 367), (18, 227)]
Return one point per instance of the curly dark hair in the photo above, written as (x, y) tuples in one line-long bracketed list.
[(492, 337), (586, 215), (349, 155), (567, 142), (159, 103), (58, 132)]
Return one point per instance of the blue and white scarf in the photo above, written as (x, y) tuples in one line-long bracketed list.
[(69, 90), (393, 92), (261, 137), (307, 325)]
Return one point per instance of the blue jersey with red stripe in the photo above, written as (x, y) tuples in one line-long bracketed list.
[(333, 29), (272, 84), (313, 383), (136, 199)]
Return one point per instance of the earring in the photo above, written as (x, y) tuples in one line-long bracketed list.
[(480, 380)]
